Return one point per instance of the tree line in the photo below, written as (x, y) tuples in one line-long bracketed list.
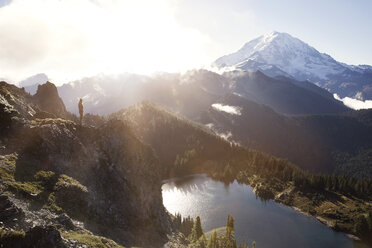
[(193, 231), (267, 166), (363, 226)]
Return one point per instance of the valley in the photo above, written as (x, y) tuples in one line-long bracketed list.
[(331, 198)]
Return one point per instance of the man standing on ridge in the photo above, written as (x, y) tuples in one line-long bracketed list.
[(81, 110)]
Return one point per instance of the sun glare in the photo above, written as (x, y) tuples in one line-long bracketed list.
[(88, 37)]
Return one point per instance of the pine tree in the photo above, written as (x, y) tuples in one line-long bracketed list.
[(229, 225), (369, 221), (213, 240), (361, 226), (197, 230), (228, 240), (187, 225), (177, 221)]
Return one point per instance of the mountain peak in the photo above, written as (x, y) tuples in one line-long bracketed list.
[(273, 43), (281, 53), (275, 34)]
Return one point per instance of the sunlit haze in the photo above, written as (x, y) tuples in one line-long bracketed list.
[(72, 39)]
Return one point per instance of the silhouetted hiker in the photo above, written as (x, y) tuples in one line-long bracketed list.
[(81, 110)]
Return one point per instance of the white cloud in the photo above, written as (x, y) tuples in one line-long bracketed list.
[(70, 39), (354, 103), (225, 136), (228, 109)]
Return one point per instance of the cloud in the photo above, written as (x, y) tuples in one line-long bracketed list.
[(354, 103), (233, 110), (70, 39)]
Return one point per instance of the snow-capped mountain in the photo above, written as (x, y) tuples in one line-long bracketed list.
[(281, 54)]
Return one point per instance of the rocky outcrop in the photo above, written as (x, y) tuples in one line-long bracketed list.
[(16, 103), (103, 177), (121, 177), (9, 212), (36, 237), (47, 236), (177, 240), (47, 99)]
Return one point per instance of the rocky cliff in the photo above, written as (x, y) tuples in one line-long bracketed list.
[(96, 181)]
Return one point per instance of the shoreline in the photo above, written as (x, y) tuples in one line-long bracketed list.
[(322, 220), (289, 192)]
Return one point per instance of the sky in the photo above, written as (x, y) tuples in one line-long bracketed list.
[(69, 39)]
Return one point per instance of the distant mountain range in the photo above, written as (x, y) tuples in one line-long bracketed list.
[(195, 91), (281, 54), (272, 107), (327, 143), (282, 116)]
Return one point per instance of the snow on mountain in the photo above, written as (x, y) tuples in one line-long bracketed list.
[(282, 54), (285, 52)]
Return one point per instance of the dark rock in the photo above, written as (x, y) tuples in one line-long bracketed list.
[(48, 99), (65, 221), (43, 237), (14, 102), (37, 237), (44, 115), (8, 211)]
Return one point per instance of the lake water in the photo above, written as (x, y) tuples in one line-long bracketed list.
[(268, 223)]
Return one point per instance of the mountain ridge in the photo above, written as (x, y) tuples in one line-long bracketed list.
[(282, 54), (328, 143), (195, 90)]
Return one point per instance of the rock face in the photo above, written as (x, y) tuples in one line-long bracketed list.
[(14, 102), (43, 237), (17, 104), (37, 237), (103, 177), (48, 99), (9, 213)]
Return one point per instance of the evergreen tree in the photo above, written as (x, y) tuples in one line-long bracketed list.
[(196, 231), (228, 240), (369, 221), (213, 240), (186, 226), (361, 226), (177, 221), (229, 225)]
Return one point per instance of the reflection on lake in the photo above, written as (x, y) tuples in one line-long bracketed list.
[(268, 223)]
